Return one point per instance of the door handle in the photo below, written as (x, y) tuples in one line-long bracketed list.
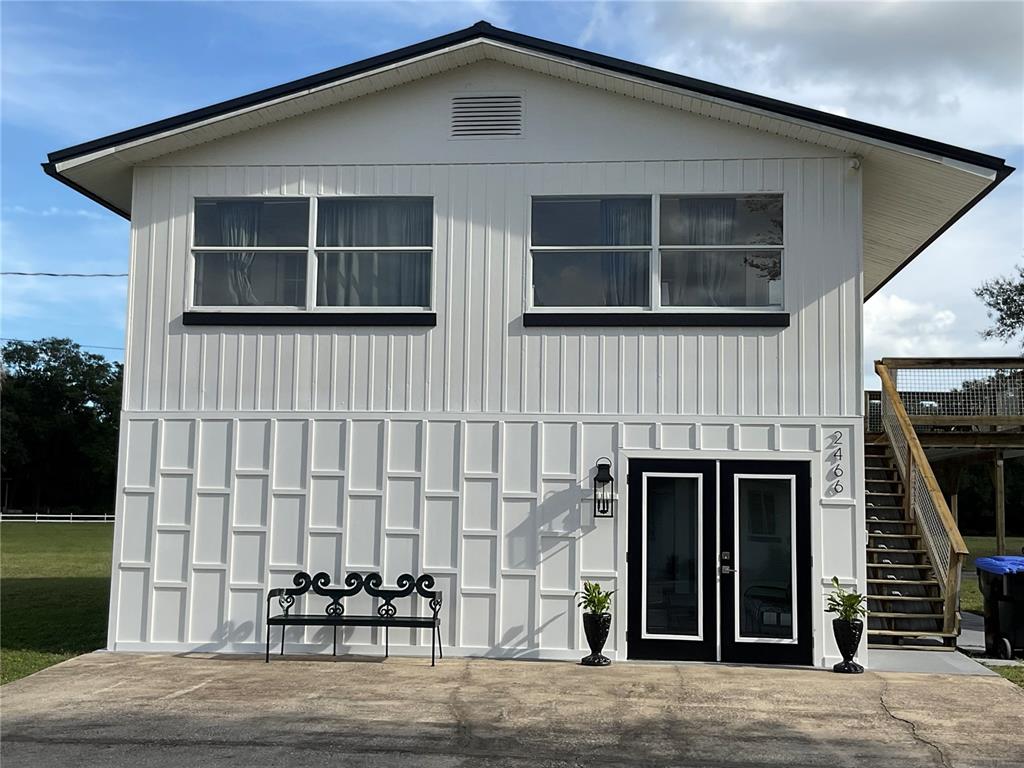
[(725, 570)]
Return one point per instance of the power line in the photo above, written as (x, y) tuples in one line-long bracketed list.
[(87, 346), (67, 274)]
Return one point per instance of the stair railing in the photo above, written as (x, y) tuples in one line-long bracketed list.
[(924, 502)]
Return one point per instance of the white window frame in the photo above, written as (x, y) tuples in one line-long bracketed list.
[(310, 249), (738, 637), (654, 250), (644, 634)]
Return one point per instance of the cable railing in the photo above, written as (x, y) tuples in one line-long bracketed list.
[(925, 503)]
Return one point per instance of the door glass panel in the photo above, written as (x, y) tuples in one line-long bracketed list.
[(672, 569), (765, 558)]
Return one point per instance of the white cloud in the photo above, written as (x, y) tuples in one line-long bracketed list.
[(952, 71), (895, 326)]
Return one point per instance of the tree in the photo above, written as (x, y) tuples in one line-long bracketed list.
[(59, 413), (1004, 297)]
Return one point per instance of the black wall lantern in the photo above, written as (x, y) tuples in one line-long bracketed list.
[(604, 489)]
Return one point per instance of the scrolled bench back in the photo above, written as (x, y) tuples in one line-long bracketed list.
[(371, 583)]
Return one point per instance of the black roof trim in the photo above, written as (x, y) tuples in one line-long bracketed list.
[(483, 30)]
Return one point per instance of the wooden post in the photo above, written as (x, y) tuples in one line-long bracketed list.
[(1000, 505)]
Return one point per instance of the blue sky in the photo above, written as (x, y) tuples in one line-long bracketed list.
[(73, 72)]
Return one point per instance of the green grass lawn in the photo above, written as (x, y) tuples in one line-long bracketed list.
[(1013, 674), (981, 546), (54, 591)]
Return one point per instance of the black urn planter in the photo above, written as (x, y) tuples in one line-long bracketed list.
[(596, 626), (848, 635)]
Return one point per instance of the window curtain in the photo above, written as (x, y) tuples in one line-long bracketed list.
[(707, 221), (239, 226), (366, 279), (626, 222)]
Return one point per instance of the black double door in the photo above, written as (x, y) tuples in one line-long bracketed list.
[(719, 561)]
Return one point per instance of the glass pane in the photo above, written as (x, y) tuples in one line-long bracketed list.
[(591, 221), (375, 221), (672, 568), (373, 279), (765, 558), (745, 220), (721, 278), (591, 279), (250, 278), (262, 223)]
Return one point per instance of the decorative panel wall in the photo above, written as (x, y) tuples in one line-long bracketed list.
[(221, 509)]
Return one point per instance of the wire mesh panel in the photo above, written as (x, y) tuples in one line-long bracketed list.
[(872, 411), (948, 395)]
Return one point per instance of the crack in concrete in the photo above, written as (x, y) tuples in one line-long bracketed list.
[(943, 760), (463, 729)]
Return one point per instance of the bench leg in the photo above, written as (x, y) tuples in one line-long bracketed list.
[(335, 652), (440, 647), (433, 645), (268, 643), (283, 628), (387, 650)]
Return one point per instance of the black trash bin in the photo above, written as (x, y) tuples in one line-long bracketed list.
[(1001, 579)]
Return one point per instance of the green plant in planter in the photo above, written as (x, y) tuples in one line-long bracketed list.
[(597, 621), (593, 599), (847, 627), (847, 606)]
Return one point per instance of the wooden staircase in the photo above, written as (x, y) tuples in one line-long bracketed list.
[(905, 603)]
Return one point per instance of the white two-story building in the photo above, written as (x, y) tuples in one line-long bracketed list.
[(389, 318)]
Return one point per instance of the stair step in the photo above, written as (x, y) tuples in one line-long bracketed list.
[(885, 506), (905, 566), (910, 647), (889, 494), (912, 598), (892, 615), (917, 582), (894, 535), (887, 551), (908, 633), (888, 521)]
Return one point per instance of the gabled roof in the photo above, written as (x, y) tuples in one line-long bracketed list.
[(101, 169)]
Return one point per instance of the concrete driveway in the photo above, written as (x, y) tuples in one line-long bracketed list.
[(157, 710)]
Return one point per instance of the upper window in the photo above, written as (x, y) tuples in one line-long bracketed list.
[(367, 252), (374, 252), (591, 251), (251, 252), (721, 251), (705, 252)]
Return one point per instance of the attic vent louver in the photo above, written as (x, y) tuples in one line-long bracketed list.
[(487, 116)]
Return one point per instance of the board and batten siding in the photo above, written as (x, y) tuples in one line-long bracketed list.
[(479, 358)]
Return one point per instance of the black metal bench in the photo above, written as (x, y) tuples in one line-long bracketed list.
[(334, 614)]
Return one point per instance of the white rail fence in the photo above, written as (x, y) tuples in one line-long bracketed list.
[(47, 517)]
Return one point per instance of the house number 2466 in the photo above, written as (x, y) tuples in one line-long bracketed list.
[(836, 469)]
